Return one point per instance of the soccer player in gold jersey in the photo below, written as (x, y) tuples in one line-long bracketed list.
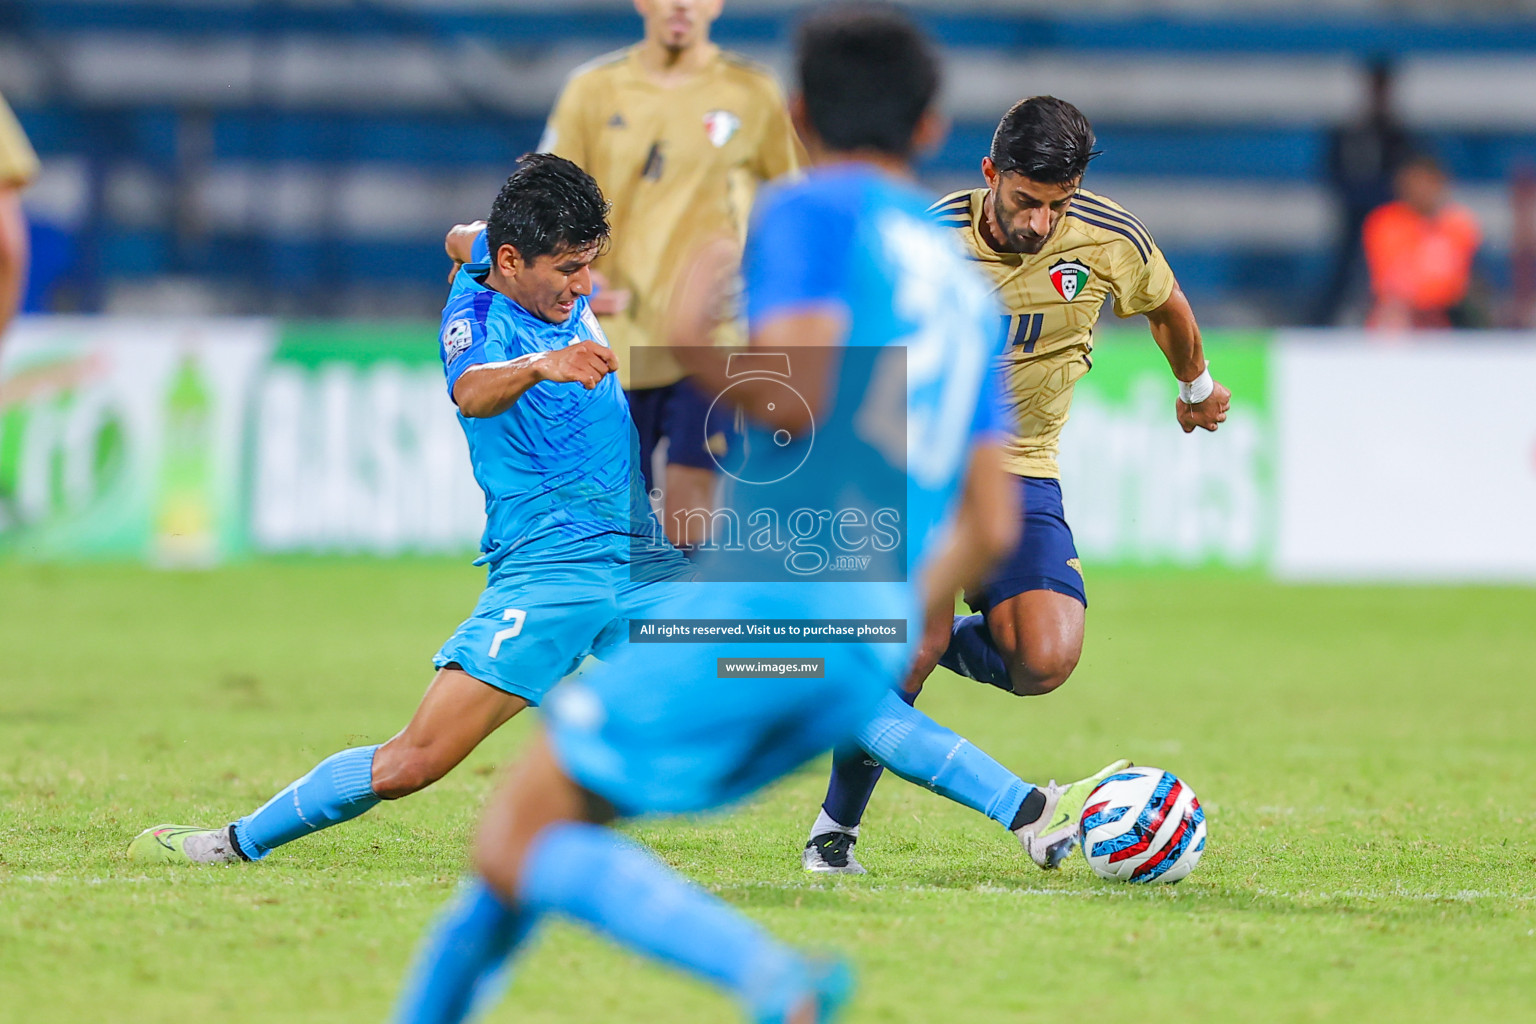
[(1054, 253), (679, 134), (18, 166)]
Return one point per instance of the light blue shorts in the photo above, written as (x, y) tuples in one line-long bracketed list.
[(653, 730), (533, 627)]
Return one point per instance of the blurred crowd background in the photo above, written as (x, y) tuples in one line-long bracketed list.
[(246, 201), (303, 157)]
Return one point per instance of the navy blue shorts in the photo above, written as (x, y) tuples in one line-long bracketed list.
[(680, 413), (1046, 558)]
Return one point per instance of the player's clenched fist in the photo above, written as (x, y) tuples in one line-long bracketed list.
[(584, 363), (1208, 414)]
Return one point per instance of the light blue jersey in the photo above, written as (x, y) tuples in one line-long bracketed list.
[(570, 539), (557, 468), (657, 729), (914, 386)]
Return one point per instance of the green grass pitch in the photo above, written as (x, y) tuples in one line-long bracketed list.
[(1367, 757)]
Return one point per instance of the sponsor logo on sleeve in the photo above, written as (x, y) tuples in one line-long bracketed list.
[(457, 337)]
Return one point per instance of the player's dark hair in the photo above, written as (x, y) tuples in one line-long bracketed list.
[(548, 205), (867, 74), (1045, 139)]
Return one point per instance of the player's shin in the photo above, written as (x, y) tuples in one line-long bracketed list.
[(851, 784), (336, 790), (854, 774), (922, 751), (461, 967), (596, 876)]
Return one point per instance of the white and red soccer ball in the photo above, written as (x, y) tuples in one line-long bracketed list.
[(1142, 825)]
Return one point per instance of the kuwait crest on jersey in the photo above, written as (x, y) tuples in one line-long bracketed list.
[(1069, 277), (720, 125)]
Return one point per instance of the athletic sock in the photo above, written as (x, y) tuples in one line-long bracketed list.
[(825, 823), (461, 966), (921, 750), (1029, 810), (336, 790), (973, 653), (854, 774), (592, 874)]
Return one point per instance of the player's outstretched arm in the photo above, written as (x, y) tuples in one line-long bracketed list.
[(460, 244), (699, 297), (1202, 401), (490, 389), (808, 337)]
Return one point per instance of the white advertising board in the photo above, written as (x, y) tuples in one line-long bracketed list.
[(1406, 461)]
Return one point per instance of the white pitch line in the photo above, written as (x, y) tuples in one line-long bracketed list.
[(1108, 891)]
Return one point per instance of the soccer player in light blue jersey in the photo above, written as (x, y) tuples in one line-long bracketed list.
[(571, 545), (885, 402)]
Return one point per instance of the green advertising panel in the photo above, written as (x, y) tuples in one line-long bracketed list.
[(1138, 490), (354, 446), (123, 438), (190, 442)]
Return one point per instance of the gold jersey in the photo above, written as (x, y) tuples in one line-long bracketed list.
[(1052, 299), (18, 164), (680, 165)]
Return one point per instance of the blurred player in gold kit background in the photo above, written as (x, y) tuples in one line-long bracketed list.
[(18, 166), (679, 134)]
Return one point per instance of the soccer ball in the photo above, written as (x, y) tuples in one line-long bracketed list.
[(1142, 825)]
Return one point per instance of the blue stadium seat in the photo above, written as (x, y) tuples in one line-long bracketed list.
[(179, 134)]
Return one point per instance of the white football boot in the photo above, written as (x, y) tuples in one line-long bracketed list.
[(1050, 838)]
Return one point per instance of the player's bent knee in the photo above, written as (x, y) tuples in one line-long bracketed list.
[(1043, 671)]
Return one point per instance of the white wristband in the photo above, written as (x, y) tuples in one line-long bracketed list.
[(1198, 390)]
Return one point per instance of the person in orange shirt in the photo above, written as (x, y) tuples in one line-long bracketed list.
[(1419, 249)]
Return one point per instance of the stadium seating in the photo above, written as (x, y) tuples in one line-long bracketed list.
[(244, 150)]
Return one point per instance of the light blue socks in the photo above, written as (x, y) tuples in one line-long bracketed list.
[(591, 874), (594, 875), (336, 790), (922, 751), (460, 969)]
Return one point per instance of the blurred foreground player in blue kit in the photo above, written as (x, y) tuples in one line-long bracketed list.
[(570, 542), (888, 336)]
